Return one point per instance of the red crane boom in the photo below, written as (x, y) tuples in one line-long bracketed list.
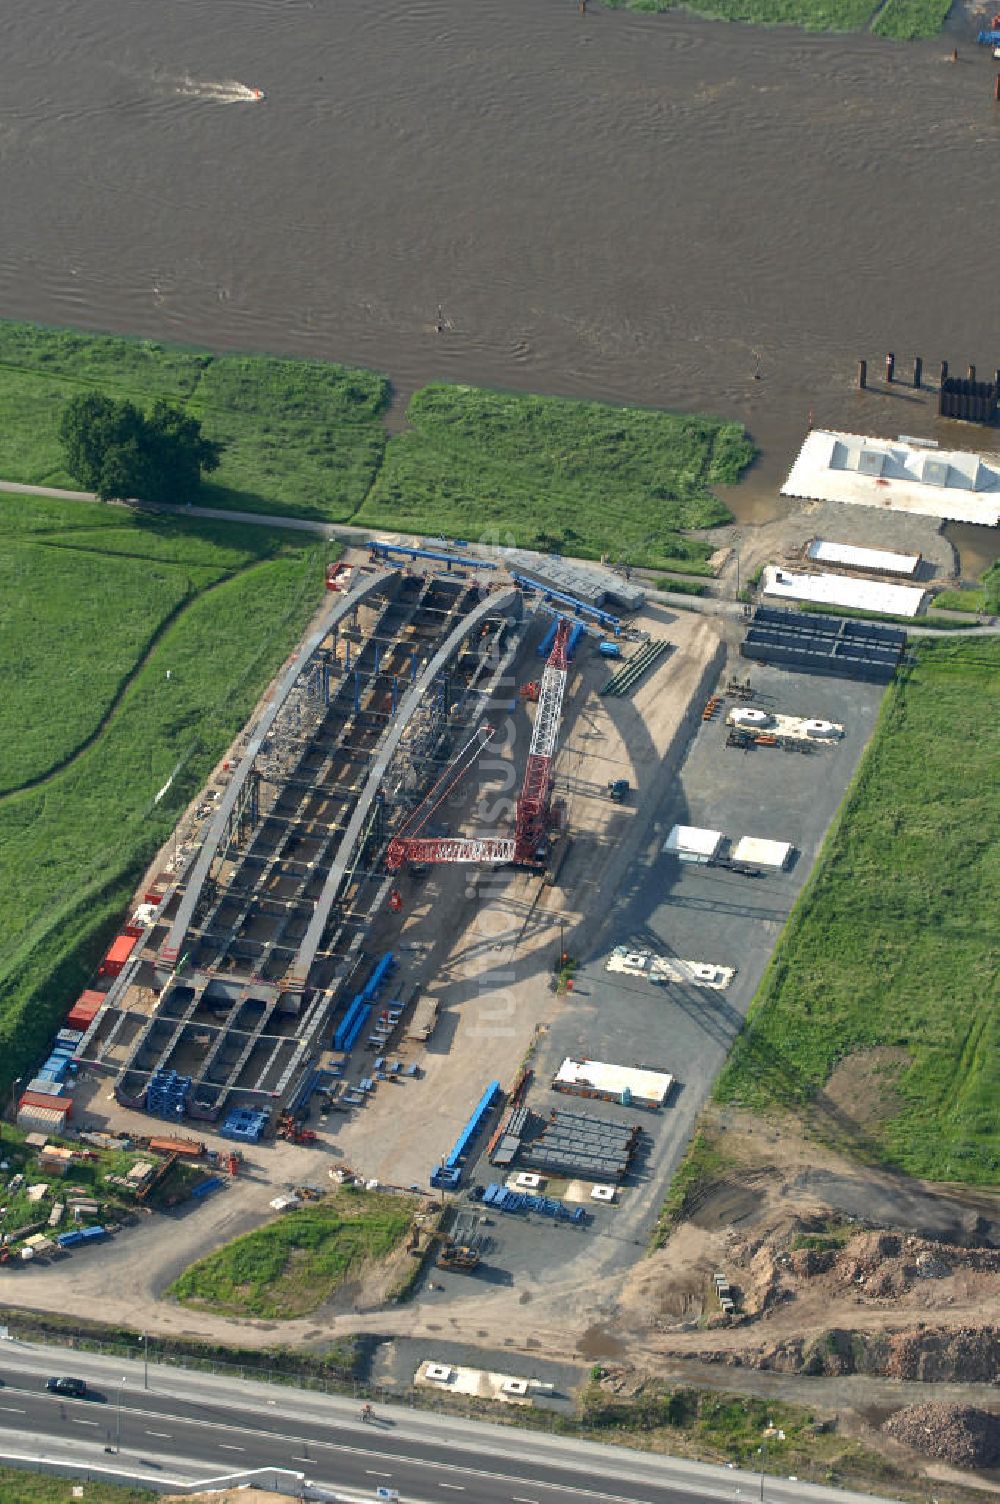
[(405, 848), (536, 790), (533, 805)]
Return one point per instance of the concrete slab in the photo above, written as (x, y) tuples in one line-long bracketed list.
[(893, 475)]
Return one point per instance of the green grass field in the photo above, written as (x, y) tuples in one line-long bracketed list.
[(294, 1264), (893, 942), (541, 472), (908, 20), (302, 437), (106, 602), (17, 1487), (901, 19), (985, 598), (306, 439), (814, 15), (62, 591), (972, 601)]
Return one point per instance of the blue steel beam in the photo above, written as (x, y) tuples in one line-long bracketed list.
[(385, 549), (581, 608)]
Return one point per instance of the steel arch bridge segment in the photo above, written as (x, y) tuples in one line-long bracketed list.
[(497, 602), (340, 606)]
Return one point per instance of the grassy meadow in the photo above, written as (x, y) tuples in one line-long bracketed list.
[(893, 942), (19, 1487), (306, 439), (302, 437), (583, 478), (909, 20), (106, 602), (294, 1264), (904, 20)]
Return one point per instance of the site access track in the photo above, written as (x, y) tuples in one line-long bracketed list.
[(189, 1428), (345, 532)]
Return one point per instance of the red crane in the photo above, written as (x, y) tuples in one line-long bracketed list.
[(534, 801)]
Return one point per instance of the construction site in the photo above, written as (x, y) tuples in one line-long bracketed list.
[(250, 977), (467, 910)]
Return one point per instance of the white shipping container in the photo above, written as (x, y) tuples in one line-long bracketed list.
[(40, 1119)]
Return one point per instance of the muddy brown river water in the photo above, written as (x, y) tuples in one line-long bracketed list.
[(650, 209)]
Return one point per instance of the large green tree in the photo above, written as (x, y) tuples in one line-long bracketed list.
[(119, 452)]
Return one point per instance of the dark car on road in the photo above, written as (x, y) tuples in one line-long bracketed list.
[(74, 1389)]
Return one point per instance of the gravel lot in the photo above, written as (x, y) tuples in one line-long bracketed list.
[(697, 913)]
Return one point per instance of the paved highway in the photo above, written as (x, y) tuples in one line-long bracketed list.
[(190, 1426)]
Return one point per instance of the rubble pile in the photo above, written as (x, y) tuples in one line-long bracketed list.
[(953, 1433), (872, 1266)]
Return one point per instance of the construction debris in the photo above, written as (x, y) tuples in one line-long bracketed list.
[(955, 1433)]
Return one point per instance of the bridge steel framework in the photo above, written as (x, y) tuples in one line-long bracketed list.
[(339, 608), (347, 853)]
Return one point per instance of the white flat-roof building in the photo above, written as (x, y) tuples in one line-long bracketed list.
[(897, 475), (693, 843), (615, 1083), (754, 851), (874, 560), (841, 590)]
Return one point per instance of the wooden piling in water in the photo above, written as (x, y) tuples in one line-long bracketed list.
[(890, 367), (918, 371), (862, 375)]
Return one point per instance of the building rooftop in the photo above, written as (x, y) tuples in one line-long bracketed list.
[(615, 1080), (849, 556), (757, 852), (841, 590), (693, 840)]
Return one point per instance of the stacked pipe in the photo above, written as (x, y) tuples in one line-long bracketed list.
[(628, 676)]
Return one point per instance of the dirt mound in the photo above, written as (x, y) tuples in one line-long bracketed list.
[(964, 1355), (955, 1433), (968, 1355)]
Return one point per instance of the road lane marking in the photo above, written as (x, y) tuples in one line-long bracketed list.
[(158, 1433), (458, 1487), (78, 1422), (517, 1500), (303, 1459), (13, 1410), (373, 1474), (225, 1447), (402, 1457)]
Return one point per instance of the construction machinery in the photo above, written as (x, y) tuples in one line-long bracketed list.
[(457, 1256), (291, 1129), (462, 1247), (529, 847), (619, 790)]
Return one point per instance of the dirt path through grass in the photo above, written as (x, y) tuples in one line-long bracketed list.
[(104, 724)]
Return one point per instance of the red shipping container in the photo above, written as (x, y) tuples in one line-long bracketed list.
[(81, 1015), (62, 1105), (119, 953), (81, 1018), (152, 897), (90, 999)]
